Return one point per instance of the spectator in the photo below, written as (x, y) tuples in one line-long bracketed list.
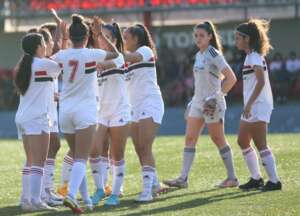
[(293, 66), (280, 77)]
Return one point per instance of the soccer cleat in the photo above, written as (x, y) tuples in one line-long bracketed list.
[(98, 196), (144, 197), (158, 189), (72, 204), (113, 200), (63, 190), (107, 190), (25, 205), (228, 183), (177, 182), (270, 186), (88, 204), (51, 198), (252, 184), (40, 206)]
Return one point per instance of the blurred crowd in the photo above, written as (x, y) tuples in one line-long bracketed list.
[(175, 76)]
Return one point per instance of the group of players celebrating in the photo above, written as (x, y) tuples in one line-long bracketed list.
[(109, 91)]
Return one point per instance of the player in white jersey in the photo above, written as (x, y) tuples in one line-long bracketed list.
[(34, 78), (146, 101), (78, 102), (252, 38), (213, 80), (48, 193), (113, 122)]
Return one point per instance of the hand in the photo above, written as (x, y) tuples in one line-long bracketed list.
[(97, 27), (57, 19), (210, 106), (247, 111), (64, 29), (100, 68)]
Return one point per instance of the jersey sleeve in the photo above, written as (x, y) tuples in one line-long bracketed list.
[(119, 61), (98, 55), (220, 62), (256, 60), (53, 69), (146, 53)]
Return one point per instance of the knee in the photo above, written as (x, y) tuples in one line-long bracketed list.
[(190, 140)]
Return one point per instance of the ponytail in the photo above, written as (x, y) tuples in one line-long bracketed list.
[(30, 43), (210, 28), (119, 37), (257, 31), (144, 36), (116, 34)]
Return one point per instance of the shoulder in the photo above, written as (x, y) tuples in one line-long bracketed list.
[(255, 57), (213, 52)]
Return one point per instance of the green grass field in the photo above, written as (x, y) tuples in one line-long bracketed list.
[(199, 199)]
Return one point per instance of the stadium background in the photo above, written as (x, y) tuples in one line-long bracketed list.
[(171, 23)]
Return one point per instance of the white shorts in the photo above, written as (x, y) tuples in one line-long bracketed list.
[(152, 107), (197, 112), (76, 120), (260, 112), (117, 120), (34, 127)]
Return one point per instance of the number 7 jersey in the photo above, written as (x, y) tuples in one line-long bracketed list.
[(79, 76)]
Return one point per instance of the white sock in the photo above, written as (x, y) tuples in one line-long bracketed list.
[(36, 175), (252, 162), (188, 158), (104, 167), (77, 174), (226, 155), (48, 178), (66, 169), (156, 180), (269, 164), (96, 172), (148, 173), (25, 183), (118, 176), (83, 189)]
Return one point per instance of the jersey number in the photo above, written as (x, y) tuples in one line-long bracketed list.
[(74, 65)]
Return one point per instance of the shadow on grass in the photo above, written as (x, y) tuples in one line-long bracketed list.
[(131, 205)]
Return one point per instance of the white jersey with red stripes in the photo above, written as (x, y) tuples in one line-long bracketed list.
[(113, 94), (249, 79), (36, 100), (142, 78), (79, 76)]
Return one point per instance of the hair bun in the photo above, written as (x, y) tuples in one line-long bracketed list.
[(76, 18)]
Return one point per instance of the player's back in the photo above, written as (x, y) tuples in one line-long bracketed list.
[(79, 76)]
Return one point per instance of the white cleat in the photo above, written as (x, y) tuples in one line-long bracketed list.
[(51, 198), (25, 205), (177, 182), (41, 206), (145, 197)]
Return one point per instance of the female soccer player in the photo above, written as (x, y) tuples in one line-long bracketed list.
[(34, 78), (113, 121), (78, 103), (146, 101), (213, 80), (252, 38)]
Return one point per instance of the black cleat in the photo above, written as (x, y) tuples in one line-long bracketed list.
[(270, 186), (253, 184)]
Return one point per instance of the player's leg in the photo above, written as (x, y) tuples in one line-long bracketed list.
[(250, 157), (147, 129), (217, 135), (98, 146), (48, 193), (83, 144), (25, 200), (39, 145), (118, 136), (259, 134), (193, 130)]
